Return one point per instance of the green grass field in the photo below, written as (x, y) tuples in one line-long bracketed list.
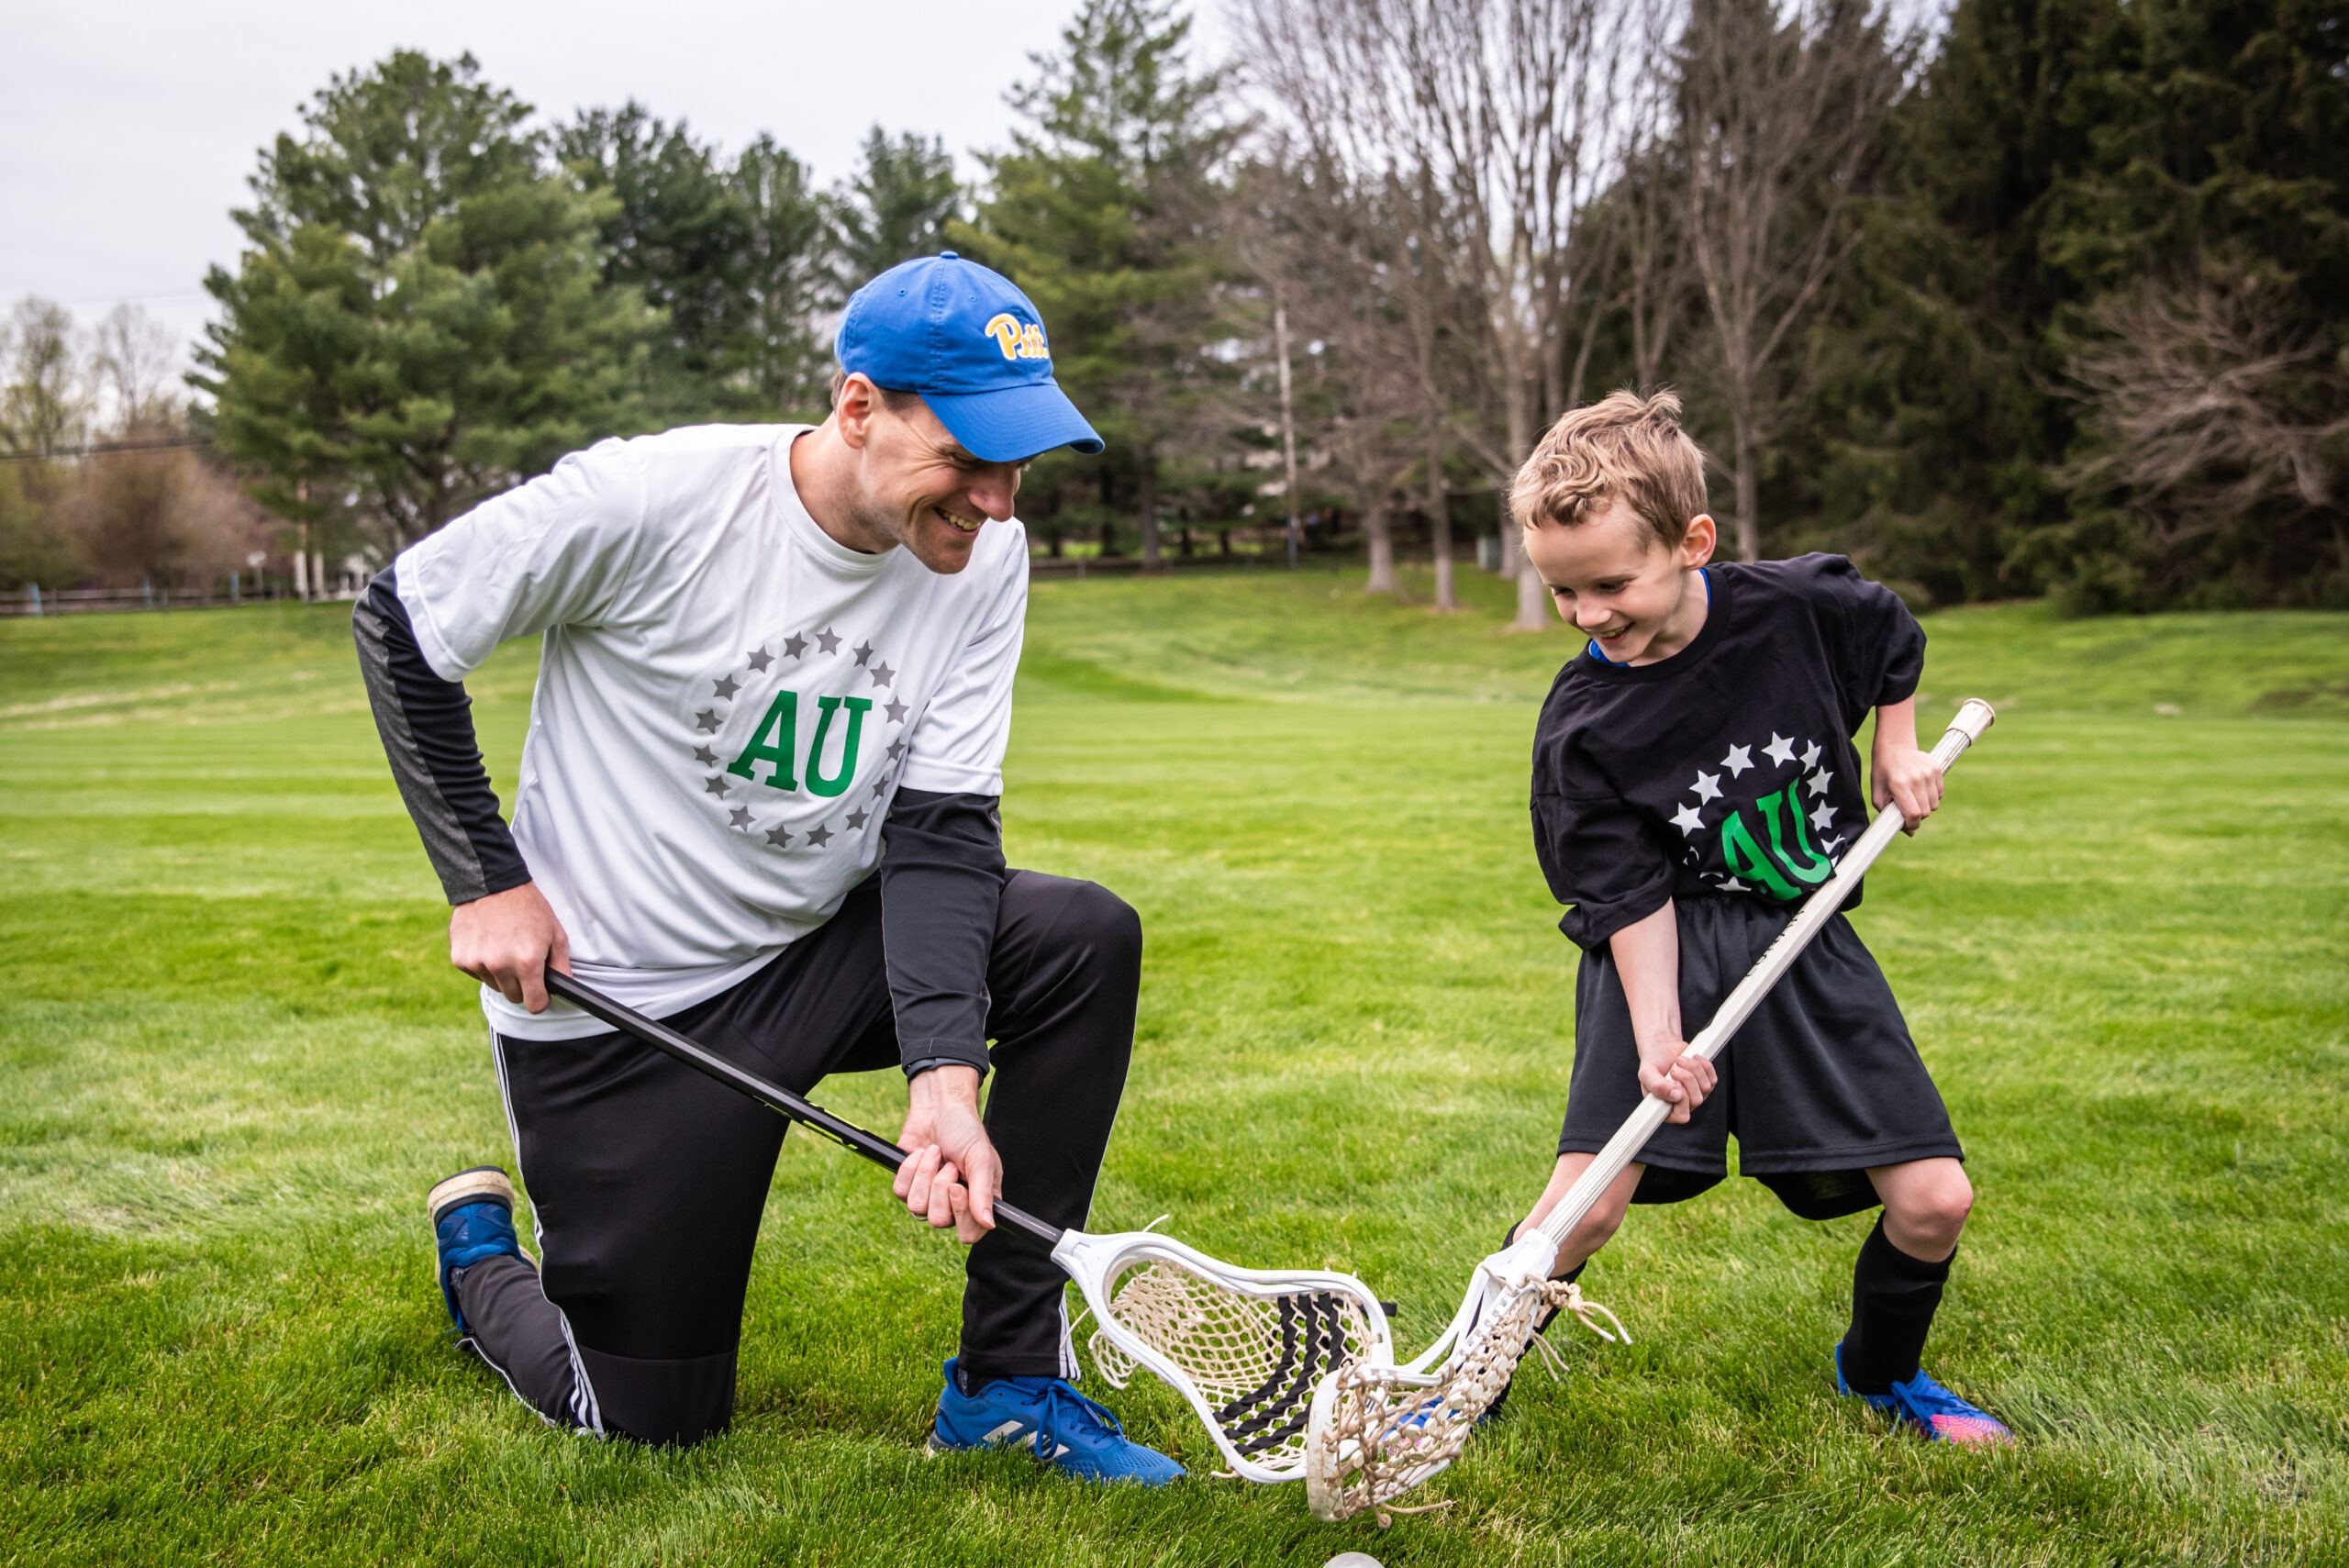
[(232, 1058)]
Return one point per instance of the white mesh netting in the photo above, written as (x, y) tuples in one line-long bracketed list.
[(1255, 1359), (1383, 1435)]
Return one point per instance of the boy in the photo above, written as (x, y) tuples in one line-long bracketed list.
[(1694, 777)]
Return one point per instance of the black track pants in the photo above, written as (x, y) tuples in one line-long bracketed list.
[(648, 1179)]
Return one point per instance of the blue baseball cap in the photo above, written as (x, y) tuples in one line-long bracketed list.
[(974, 347)]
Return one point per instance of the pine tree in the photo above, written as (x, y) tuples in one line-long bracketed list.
[(1936, 424), (2208, 220), (675, 231), (897, 205), (788, 281), (1102, 211), (421, 316), (2094, 342)]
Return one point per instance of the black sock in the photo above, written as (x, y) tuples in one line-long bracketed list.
[(969, 1380), (1893, 1298)]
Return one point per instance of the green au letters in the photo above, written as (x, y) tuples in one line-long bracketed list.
[(775, 742), (1784, 867), (826, 707)]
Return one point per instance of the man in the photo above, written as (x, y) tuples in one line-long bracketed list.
[(757, 799)]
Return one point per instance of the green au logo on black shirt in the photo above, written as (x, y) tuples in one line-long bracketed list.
[(1767, 843), (1790, 849)]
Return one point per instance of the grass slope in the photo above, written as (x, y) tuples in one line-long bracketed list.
[(231, 1058)]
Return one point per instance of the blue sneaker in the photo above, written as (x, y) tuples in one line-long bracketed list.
[(473, 1219), (1937, 1414), (1052, 1421)]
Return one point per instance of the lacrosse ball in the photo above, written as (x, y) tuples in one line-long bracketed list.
[(1352, 1560)]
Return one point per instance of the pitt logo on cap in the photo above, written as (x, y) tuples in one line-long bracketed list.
[(1019, 340)]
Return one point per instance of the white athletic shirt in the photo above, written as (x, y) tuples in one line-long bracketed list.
[(727, 699)]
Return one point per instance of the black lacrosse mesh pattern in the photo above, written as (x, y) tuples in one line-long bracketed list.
[(1255, 1360)]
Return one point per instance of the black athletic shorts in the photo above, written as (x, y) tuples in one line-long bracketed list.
[(1822, 1083)]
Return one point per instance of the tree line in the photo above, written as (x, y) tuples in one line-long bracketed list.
[(2024, 296), (101, 478), (2030, 296)]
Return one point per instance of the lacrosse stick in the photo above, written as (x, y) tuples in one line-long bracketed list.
[(1377, 1430), (1245, 1347)]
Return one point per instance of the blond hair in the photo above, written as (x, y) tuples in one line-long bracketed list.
[(1622, 448)]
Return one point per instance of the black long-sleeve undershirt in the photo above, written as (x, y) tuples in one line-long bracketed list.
[(426, 724), (941, 857), (941, 885)]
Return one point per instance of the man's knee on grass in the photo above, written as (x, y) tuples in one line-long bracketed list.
[(1105, 925)]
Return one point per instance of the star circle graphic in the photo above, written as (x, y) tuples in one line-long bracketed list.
[(1811, 775), (799, 660)]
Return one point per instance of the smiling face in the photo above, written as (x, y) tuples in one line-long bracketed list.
[(1638, 598), (917, 487)]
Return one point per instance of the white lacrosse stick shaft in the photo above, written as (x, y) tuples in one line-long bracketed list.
[(1972, 719)]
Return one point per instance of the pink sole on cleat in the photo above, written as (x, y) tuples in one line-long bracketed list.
[(1970, 1431)]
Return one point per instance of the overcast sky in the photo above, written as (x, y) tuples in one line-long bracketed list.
[(127, 128)]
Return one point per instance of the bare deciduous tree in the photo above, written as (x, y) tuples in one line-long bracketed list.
[(1323, 245), (137, 361), (1494, 123), (44, 389), (1780, 117), (168, 518), (1642, 213), (2210, 411)]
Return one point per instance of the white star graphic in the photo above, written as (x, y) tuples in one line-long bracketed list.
[(1687, 821), (1833, 845), (1818, 782), (1707, 785), (1780, 750), (1825, 817), (1810, 756), (1740, 758)]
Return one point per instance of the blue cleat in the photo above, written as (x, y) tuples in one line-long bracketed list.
[(473, 1219), (1061, 1426), (1938, 1415)]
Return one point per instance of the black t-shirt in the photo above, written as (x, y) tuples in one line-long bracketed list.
[(1728, 768)]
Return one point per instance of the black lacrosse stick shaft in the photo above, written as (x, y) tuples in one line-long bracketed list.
[(848, 1135)]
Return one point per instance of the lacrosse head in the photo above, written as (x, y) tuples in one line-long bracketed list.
[(1376, 1431), (1245, 1347)]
